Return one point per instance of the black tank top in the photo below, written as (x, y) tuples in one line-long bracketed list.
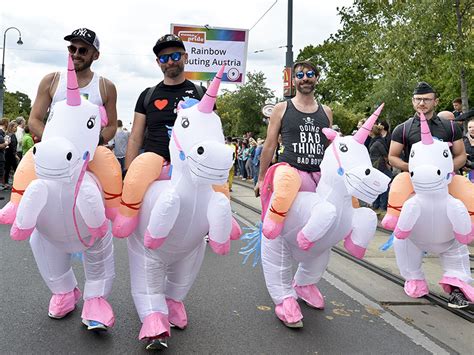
[(302, 137)]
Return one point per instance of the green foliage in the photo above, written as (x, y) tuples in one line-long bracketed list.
[(345, 118), (16, 104), (241, 110)]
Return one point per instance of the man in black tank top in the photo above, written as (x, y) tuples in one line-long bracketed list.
[(300, 122)]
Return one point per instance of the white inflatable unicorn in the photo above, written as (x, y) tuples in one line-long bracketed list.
[(64, 213), (167, 249), (433, 221), (318, 221)]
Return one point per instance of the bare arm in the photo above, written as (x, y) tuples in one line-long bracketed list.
[(394, 156), (135, 141), (40, 106), (271, 140), (459, 154), (110, 104)]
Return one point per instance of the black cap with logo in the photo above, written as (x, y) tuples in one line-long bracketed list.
[(168, 40), (85, 35)]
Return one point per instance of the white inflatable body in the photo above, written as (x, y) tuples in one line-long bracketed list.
[(63, 215), (167, 249), (318, 221), (433, 221)]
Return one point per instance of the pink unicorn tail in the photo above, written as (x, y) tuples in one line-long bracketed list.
[(73, 97), (426, 137), (209, 99), (363, 132)]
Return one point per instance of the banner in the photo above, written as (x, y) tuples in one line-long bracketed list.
[(208, 48)]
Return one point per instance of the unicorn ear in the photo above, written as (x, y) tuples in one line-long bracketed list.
[(104, 121), (330, 133)]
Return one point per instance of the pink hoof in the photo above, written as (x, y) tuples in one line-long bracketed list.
[(400, 234), (177, 313), (447, 283), (289, 311), (353, 249), (303, 241), (124, 226), (310, 294), (236, 232), (271, 229), (99, 310), (154, 325), (219, 248), (8, 213), (152, 243), (111, 213), (62, 304), (465, 238), (20, 234), (101, 231), (389, 222), (416, 288)]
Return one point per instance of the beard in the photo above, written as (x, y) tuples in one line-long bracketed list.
[(173, 71), (85, 64), (305, 90)]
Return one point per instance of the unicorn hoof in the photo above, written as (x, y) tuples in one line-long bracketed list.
[(97, 313), (400, 234), (389, 222), (303, 241), (19, 234), (8, 213), (416, 288), (94, 325), (152, 243), (177, 316), (289, 313), (354, 249), (62, 304), (220, 248), (236, 232), (123, 226), (310, 294), (101, 231), (271, 229)]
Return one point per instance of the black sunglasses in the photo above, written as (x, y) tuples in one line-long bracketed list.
[(309, 74), (175, 56), (79, 50)]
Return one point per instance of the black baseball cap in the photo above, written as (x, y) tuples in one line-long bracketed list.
[(168, 40), (85, 35)]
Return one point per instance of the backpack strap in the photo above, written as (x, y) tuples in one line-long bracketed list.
[(406, 131), (199, 90), (448, 126), (148, 94)]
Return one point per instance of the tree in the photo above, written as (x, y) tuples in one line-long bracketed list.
[(16, 104)]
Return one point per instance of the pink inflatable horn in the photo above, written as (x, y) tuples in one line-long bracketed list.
[(73, 97), (363, 132), (209, 99), (426, 137)]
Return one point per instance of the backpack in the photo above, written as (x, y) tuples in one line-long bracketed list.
[(448, 126)]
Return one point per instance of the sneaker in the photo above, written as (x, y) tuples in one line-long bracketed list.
[(157, 344), (94, 325), (458, 300)]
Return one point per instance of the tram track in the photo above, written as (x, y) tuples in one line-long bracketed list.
[(432, 297)]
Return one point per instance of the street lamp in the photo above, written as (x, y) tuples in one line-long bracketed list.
[(2, 77)]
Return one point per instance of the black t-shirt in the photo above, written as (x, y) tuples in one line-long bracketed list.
[(161, 113), (446, 131)]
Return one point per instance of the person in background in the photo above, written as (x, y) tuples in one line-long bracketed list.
[(11, 158), (120, 144), (251, 154), (230, 179), (3, 146), (256, 160), (457, 105), (21, 122), (27, 142), (378, 151), (469, 144)]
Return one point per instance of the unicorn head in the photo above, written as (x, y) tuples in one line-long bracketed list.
[(347, 163), (71, 135), (197, 140), (431, 163)]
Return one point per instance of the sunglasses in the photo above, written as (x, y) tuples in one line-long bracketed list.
[(79, 50), (175, 56), (309, 74)]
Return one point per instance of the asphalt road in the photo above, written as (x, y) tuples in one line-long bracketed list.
[(229, 311)]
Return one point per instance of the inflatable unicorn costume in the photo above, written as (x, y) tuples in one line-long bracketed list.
[(167, 249), (433, 221), (318, 221), (64, 213)]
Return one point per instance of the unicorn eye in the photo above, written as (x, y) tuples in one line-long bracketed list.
[(412, 154), (445, 153), (343, 148), (91, 122), (185, 122)]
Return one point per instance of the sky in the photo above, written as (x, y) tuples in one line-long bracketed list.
[(128, 30)]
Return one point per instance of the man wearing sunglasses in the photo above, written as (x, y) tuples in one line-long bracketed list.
[(84, 49), (404, 136)]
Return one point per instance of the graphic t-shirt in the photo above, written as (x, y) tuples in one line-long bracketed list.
[(302, 138), (161, 113)]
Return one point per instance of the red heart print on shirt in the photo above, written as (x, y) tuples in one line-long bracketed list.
[(161, 104)]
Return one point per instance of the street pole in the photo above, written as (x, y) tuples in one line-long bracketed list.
[(2, 77), (289, 53)]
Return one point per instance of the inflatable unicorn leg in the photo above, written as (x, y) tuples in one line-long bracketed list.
[(364, 224), (400, 190), (309, 273), (323, 217), (456, 266), (54, 266), (277, 269), (180, 277), (219, 215), (91, 207), (409, 260), (100, 272)]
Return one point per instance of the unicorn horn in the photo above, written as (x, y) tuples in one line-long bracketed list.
[(73, 97), (363, 132), (426, 137), (209, 99)]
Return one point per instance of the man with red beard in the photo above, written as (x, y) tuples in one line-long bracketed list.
[(84, 50)]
